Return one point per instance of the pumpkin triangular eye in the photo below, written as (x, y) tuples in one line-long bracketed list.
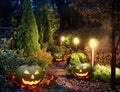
[(37, 72), (77, 67), (85, 67), (26, 72)]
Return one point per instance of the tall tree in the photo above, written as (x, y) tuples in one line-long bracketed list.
[(115, 38), (16, 12), (48, 23), (27, 35), (69, 18)]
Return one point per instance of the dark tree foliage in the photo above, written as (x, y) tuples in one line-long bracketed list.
[(69, 18), (27, 36), (10, 12), (48, 23), (16, 12), (93, 12), (44, 25), (5, 12)]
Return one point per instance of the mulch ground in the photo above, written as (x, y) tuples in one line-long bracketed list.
[(58, 69)]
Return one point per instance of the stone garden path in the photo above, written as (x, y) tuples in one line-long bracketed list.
[(62, 77)]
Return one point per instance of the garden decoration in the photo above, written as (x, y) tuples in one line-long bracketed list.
[(58, 57), (29, 75), (76, 65), (82, 70)]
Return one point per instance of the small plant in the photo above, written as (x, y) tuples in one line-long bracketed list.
[(53, 49), (6, 43), (103, 73), (44, 57), (10, 60)]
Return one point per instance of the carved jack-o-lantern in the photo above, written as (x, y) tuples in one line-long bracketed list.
[(29, 75), (83, 70), (58, 57)]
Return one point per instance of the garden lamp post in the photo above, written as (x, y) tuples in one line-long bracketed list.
[(62, 40), (76, 41), (93, 44)]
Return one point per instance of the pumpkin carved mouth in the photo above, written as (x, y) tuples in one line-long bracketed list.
[(81, 74), (30, 82)]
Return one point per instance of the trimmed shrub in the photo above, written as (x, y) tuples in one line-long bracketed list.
[(75, 59)]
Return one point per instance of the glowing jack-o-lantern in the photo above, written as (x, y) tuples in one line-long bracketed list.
[(29, 75), (58, 57), (82, 70)]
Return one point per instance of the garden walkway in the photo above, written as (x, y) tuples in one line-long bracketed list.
[(73, 84)]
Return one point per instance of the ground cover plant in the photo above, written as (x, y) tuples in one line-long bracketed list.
[(13, 58), (103, 73)]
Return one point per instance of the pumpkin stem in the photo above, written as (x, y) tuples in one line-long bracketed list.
[(32, 62)]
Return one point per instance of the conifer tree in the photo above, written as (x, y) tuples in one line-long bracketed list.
[(48, 23), (27, 36)]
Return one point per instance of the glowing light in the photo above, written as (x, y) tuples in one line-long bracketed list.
[(82, 74), (30, 82), (93, 43), (62, 38), (76, 41)]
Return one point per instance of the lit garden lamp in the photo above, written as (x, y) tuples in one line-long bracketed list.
[(76, 42), (62, 40), (93, 43)]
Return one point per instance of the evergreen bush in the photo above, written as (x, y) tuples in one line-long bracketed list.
[(27, 35)]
